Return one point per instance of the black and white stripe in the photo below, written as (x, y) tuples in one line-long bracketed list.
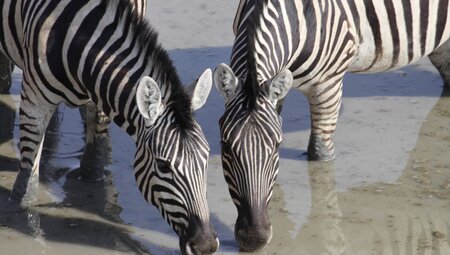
[(77, 51), (315, 43)]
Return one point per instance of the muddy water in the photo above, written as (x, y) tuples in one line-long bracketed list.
[(388, 198), (71, 217), (386, 193)]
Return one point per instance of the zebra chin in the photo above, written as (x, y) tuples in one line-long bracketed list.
[(199, 239)]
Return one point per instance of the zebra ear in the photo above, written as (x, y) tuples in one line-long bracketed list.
[(199, 90), (279, 86), (226, 81), (148, 99)]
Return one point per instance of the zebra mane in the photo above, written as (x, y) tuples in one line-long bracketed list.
[(251, 86), (178, 98)]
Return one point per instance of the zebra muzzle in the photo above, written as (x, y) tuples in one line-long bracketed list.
[(253, 229), (200, 238)]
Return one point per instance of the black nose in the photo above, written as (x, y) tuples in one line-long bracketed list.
[(200, 238), (253, 229)]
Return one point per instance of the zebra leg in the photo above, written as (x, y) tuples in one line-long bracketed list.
[(34, 116), (440, 58), (6, 68), (97, 151), (324, 108)]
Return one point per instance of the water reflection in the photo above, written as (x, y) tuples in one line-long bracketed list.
[(70, 211), (410, 215), (34, 223), (407, 216), (322, 232)]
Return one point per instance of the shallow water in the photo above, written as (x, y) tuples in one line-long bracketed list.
[(387, 192)]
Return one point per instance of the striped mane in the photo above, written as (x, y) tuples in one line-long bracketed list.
[(251, 86), (147, 39)]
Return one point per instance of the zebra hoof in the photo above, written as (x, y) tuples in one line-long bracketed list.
[(319, 151), (323, 157), (92, 175), (25, 188), (23, 200), (88, 175), (89, 179)]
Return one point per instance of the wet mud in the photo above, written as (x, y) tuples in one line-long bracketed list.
[(406, 215), (71, 216)]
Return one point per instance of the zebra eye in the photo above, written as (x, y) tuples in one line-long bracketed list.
[(163, 166)]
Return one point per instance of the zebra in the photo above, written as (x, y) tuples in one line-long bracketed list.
[(308, 45), (96, 130), (77, 51), (96, 123)]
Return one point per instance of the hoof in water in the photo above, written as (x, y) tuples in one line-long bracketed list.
[(86, 175)]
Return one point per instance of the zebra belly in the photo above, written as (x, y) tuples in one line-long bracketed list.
[(10, 44), (393, 34), (363, 63)]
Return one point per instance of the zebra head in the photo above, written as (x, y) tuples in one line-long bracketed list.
[(170, 163), (251, 134)]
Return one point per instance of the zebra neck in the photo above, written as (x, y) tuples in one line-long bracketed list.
[(273, 36), (238, 60), (115, 90), (120, 51), (262, 42)]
